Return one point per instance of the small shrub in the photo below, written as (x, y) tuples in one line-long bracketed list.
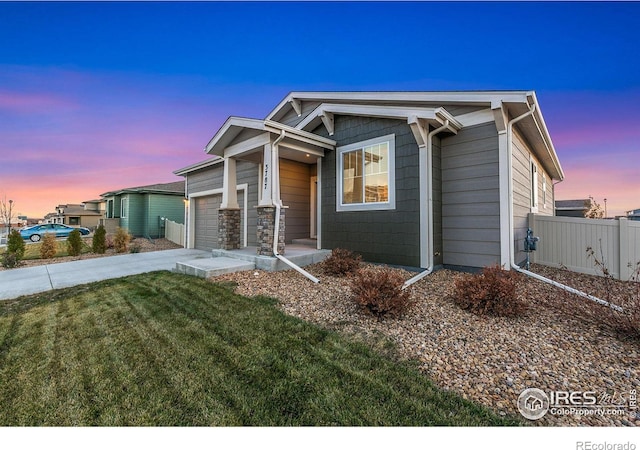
[(99, 241), (494, 291), (135, 248), (49, 246), (341, 262), (109, 242), (379, 291), (121, 240), (15, 244), (74, 243), (10, 260)]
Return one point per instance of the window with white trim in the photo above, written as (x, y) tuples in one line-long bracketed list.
[(534, 187), (124, 207), (544, 190), (366, 175)]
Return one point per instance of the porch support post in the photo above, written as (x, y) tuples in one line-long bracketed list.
[(266, 230), (229, 185), (267, 177)]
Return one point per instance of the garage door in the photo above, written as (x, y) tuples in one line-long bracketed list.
[(206, 222)]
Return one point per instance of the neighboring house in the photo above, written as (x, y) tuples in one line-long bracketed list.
[(142, 210), (417, 179), (75, 215), (634, 214), (573, 208)]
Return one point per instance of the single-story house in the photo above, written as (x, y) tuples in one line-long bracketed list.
[(75, 215), (142, 210), (573, 208), (418, 179)]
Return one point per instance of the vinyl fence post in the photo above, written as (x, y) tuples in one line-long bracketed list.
[(623, 250)]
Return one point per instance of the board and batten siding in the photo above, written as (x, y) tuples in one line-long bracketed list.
[(135, 214), (387, 236), (162, 205), (210, 178), (522, 194), (471, 197)]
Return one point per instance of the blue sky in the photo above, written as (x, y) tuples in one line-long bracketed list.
[(99, 96)]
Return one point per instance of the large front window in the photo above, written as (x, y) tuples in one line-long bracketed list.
[(366, 175)]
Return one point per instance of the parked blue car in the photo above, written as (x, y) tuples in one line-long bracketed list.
[(36, 232)]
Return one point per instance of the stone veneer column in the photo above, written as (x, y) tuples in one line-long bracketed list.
[(229, 228), (266, 225)]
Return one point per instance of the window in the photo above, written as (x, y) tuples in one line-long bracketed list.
[(366, 175), (544, 190), (124, 206), (534, 187)]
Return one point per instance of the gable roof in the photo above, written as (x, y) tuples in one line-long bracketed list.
[(300, 108), (173, 188)]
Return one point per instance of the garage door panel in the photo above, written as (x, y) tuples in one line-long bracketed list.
[(206, 222)]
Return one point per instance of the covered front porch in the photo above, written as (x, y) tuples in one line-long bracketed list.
[(289, 184)]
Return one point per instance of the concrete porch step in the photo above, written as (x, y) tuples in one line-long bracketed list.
[(211, 267)]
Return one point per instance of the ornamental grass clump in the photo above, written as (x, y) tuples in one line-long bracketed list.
[(494, 292), (121, 240), (341, 262), (379, 291)]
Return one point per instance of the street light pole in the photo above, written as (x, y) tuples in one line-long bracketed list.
[(605, 208)]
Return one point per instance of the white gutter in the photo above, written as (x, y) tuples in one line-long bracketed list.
[(512, 261), (277, 202), (429, 143)]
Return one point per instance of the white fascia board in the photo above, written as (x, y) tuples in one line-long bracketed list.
[(544, 131), (387, 112), (197, 166), (241, 122), (466, 97), (250, 144), (301, 135)]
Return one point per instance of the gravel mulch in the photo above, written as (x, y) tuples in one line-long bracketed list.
[(144, 245), (490, 360)]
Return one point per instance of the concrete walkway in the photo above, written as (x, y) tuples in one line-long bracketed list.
[(32, 280)]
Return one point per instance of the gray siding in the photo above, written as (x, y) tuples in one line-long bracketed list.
[(295, 190), (522, 194), (292, 119), (471, 197), (437, 202), (211, 178), (388, 236)]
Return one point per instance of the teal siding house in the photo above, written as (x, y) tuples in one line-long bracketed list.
[(142, 210)]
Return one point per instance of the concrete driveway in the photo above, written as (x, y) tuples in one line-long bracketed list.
[(32, 280)]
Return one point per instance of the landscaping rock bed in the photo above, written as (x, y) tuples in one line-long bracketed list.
[(490, 360)]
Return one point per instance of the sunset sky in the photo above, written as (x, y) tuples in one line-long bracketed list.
[(100, 96)]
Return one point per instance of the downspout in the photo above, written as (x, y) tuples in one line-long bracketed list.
[(512, 255), (429, 144), (277, 201)]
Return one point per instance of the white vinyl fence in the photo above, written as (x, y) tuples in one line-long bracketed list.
[(564, 242), (174, 232)]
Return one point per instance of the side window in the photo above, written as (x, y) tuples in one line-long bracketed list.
[(124, 206), (366, 175), (534, 187)]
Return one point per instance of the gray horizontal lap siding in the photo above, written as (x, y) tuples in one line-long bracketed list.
[(471, 197), (387, 236), (211, 178)]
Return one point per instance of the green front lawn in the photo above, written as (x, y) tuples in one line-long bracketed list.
[(167, 349)]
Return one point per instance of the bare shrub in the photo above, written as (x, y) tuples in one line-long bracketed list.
[(121, 240), (379, 291), (49, 246), (494, 291), (341, 262)]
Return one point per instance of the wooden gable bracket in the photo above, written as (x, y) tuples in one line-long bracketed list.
[(327, 120), (296, 105)]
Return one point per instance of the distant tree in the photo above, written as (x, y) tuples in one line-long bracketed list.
[(594, 210), (99, 243), (49, 246), (74, 243), (6, 211)]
